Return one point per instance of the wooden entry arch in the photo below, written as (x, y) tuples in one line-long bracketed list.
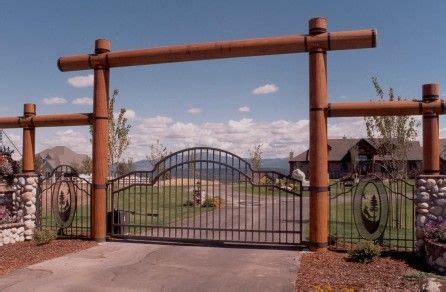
[(317, 42)]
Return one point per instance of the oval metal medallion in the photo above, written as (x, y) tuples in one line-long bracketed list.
[(64, 203), (370, 209)]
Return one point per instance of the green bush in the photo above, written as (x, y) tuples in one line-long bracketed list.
[(44, 236), (364, 252)]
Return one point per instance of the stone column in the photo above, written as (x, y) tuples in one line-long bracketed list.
[(430, 212), (25, 197)]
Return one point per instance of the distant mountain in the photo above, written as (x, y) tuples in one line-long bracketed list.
[(59, 155), (277, 164)]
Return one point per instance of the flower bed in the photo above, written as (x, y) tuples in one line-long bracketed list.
[(436, 255)]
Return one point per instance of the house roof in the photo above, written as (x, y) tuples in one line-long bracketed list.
[(338, 148)]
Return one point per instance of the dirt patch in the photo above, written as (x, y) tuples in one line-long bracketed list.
[(332, 270), (23, 254)]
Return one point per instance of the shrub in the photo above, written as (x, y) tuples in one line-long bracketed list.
[(364, 252), (44, 236), (216, 202), (419, 278), (435, 231)]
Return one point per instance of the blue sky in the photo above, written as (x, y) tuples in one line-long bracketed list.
[(410, 52)]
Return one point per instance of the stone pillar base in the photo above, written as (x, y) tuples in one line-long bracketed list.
[(25, 197)]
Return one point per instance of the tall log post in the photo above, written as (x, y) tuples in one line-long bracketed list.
[(100, 144), (431, 142), (318, 141), (28, 145)]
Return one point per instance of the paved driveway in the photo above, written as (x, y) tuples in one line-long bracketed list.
[(116, 266)]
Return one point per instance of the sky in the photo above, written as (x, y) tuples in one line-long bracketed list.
[(231, 104)]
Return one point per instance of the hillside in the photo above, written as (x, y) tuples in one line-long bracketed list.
[(61, 155)]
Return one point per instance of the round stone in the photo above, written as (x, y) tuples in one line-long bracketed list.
[(441, 194), (29, 188), (421, 182), (434, 189), (30, 180), (422, 211), (22, 181), (423, 205), (430, 183), (31, 209), (421, 219), (442, 190), (27, 196), (30, 224), (421, 188), (436, 210), (432, 217), (440, 261), (423, 196), (6, 240), (28, 232), (440, 202)]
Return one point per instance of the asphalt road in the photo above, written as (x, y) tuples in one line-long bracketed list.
[(115, 266)]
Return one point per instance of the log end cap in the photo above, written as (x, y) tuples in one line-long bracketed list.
[(431, 91), (102, 46), (317, 25)]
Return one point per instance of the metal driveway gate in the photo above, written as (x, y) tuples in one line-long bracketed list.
[(206, 194), (63, 203)]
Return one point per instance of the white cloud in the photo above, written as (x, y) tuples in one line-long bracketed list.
[(70, 138), (54, 101), (265, 89), (194, 110), (83, 101), (129, 114), (81, 81), (244, 109)]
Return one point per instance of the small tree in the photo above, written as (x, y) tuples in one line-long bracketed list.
[(86, 165), (125, 167), (354, 157), (256, 156), (158, 152), (118, 131), (391, 135)]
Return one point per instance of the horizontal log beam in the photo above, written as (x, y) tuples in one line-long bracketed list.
[(344, 40), (58, 120), (384, 108)]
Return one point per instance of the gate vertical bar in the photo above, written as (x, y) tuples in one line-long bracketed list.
[(29, 110), (431, 151), (100, 145), (318, 141)]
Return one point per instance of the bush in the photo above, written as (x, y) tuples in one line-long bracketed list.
[(419, 278), (44, 236), (216, 202), (364, 252)]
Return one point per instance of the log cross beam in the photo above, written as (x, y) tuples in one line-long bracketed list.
[(316, 43), (30, 121)]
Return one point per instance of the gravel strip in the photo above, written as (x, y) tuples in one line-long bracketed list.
[(333, 270), (23, 254)]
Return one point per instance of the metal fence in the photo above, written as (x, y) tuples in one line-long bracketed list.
[(372, 208), (63, 203), (206, 194)]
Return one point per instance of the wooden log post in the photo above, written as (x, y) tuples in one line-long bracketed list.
[(28, 145), (318, 141), (100, 144), (431, 142)]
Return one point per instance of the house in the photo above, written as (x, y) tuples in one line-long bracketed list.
[(340, 160)]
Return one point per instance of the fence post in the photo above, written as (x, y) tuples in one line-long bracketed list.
[(431, 142), (318, 141), (28, 147), (100, 145)]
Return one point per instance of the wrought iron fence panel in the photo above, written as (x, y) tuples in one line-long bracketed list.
[(63, 203), (372, 208), (206, 194)]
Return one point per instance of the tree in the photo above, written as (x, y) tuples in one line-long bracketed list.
[(391, 135), (86, 165), (125, 167), (158, 152), (118, 131), (256, 156), (354, 157)]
